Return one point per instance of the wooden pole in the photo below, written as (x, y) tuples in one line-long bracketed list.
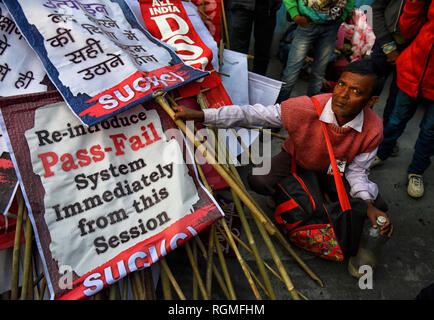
[(251, 241), (196, 271), (165, 284), (172, 279), (216, 273), (224, 268), (225, 24), (17, 245), (27, 259)]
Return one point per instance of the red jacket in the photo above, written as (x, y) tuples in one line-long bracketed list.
[(415, 65)]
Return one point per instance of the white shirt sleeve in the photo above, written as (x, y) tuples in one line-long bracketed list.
[(357, 176), (249, 115)]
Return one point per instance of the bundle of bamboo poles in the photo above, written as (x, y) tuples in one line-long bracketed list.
[(202, 257), (139, 285)]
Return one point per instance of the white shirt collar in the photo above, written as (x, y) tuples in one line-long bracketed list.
[(328, 116)]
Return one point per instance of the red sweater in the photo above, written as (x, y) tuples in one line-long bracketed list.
[(300, 119), (415, 65)]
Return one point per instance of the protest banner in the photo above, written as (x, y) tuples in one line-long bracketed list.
[(169, 22), (19, 73), (104, 200), (97, 55), (8, 178)]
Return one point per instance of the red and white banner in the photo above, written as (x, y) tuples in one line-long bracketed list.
[(168, 21), (104, 200)]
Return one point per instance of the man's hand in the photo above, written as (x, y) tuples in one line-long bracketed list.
[(391, 57), (185, 113), (301, 20), (373, 213)]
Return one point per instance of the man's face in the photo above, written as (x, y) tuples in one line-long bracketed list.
[(351, 94)]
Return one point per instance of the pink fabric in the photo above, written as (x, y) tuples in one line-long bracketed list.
[(360, 33)]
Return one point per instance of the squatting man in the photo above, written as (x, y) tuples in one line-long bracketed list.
[(354, 129)]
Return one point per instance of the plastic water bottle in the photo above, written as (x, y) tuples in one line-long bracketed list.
[(371, 244)]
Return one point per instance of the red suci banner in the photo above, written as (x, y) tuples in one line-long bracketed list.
[(168, 21), (211, 15), (104, 200)]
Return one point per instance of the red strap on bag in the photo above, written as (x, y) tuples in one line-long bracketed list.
[(342, 194)]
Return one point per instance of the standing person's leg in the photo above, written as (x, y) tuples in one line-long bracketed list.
[(423, 150), (304, 37), (391, 99), (241, 29), (403, 111), (323, 48), (264, 24)]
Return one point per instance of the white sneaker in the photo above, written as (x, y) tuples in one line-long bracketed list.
[(415, 185)]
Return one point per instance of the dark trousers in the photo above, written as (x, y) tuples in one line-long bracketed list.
[(385, 68), (264, 21), (281, 167), (404, 109)]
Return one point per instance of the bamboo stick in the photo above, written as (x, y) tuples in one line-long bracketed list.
[(27, 259), (17, 245), (277, 261), (125, 288), (133, 287), (208, 277), (251, 271), (43, 286), (114, 291), (251, 241), (209, 256), (149, 287), (242, 262), (204, 105), (245, 246), (216, 273), (165, 284), (247, 200), (267, 132), (211, 160), (137, 282), (195, 285), (196, 271), (225, 24), (224, 268), (172, 279), (277, 234)]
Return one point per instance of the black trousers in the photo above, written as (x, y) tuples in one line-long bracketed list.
[(264, 21), (280, 168)]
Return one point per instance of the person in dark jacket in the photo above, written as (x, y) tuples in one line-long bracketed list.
[(260, 15), (415, 79)]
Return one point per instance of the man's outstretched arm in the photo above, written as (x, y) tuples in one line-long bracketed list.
[(234, 116)]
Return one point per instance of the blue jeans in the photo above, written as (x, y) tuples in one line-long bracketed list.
[(404, 109), (323, 38)]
